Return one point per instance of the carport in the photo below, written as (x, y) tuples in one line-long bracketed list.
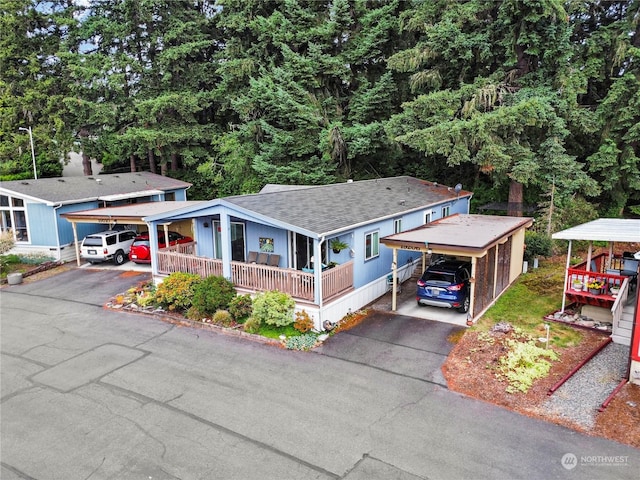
[(493, 244), (129, 215)]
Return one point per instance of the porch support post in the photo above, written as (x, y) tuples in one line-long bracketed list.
[(394, 271), (317, 273), (153, 245), (566, 276), (225, 228)]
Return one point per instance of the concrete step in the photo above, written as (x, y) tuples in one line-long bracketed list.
[(622, 340)]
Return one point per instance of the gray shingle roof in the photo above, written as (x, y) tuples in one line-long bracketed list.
[(330, 208), (75, 189)]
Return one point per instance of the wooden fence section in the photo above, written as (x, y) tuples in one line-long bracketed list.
[(337, 279), (256, 277), (172, 261), (262, 278)]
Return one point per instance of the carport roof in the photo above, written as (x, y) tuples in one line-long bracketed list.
[(603, 229), (127, 214), (464, 233)]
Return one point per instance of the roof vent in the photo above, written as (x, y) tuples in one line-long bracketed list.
[(350, 180), (61, 180), (24, 183), (98, 180)]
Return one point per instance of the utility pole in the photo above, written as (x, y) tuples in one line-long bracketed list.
[(33, 152)]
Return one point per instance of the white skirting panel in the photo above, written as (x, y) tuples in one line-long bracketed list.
[(66, 253)]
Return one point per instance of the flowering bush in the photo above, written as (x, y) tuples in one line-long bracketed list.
[(595, 284)]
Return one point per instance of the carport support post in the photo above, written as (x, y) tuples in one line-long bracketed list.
[(394, 266), (75, 240)]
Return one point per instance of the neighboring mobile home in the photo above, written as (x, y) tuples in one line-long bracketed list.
[(32, 209), (283, 238)]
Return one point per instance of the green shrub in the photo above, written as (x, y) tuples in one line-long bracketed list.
[(274, 308), (176, 291), (223, 318), (241, 307), (212, 294), (193, 313), (523, 363), (11, 259), (252, 325), (537, 245)]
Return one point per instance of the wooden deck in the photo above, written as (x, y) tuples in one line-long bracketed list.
[(251, 276)]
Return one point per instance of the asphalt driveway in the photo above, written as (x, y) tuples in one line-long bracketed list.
[(90, 393), (408, 346)]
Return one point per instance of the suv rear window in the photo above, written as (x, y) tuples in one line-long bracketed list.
[(448, 278), (92, 242), (140, 242)]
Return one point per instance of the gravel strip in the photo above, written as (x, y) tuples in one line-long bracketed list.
[(579, 398)]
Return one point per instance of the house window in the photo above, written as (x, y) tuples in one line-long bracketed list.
[(397, 225), (169, 196), (371, 245), (13, 217), (445, 211), (427, 217)]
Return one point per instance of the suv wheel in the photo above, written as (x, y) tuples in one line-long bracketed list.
[(119, 258), (465, 305)]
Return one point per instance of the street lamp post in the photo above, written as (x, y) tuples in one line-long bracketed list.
[(33, 152)]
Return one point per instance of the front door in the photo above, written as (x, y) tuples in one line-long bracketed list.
[(237, 241)]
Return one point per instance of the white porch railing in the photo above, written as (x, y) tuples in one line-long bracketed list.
[(256, 277)]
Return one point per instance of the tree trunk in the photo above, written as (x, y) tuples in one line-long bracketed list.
[(174, 162), (132, 162), (152, 161), (514, 208), (87, 170)]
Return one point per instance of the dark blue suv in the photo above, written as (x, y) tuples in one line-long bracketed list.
[(445, 284)]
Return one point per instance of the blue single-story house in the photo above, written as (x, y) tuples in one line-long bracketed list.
[(285, 238), (33, 209)]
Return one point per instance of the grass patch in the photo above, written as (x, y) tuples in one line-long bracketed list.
[(273, 331), (525, 304)]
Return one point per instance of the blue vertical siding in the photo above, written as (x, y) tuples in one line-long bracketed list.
[(42, 229)]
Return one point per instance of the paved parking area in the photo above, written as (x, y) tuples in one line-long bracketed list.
[(90, 393)]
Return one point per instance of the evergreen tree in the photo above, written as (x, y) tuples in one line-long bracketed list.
[(503, 108), (32, 86), (143, 72)]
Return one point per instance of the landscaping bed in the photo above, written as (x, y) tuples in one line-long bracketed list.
[(470, 369)]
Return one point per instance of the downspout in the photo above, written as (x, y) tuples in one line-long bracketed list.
[(566, 276), (55, 222)]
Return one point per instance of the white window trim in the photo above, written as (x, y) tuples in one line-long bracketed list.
[(397, 225), (11, 209), (371, 235)]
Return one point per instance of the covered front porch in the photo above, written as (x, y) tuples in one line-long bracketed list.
[(301, 285)]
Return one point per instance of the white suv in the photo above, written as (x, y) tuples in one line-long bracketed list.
[(109, 245)]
